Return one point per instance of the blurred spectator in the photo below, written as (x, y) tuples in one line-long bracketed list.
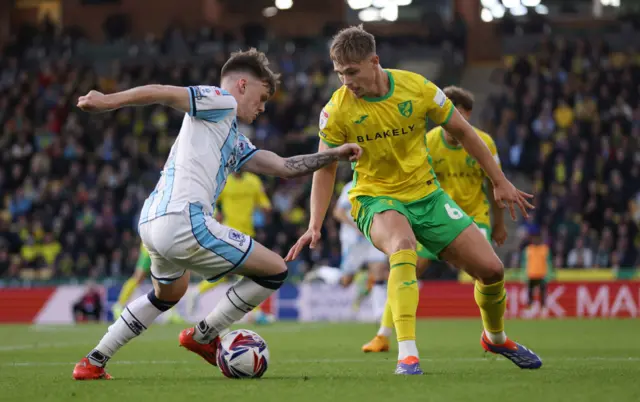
[(72, 184), (89, 307), (563, 115), (580, 256), (572, 122)]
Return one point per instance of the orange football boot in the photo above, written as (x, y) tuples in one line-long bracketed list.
[(378, 344), (207, 351), (84, 370)]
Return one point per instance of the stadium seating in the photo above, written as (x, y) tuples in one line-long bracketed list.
[(72, 183), (568, 117)]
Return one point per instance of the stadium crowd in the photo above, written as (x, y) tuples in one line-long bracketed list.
[(569, 118), (72, 184)]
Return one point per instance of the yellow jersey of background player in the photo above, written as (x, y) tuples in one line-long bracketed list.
[(461, 176), (241, 196)]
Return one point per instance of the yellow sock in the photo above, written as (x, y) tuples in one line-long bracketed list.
[(205, 286), (387, 316), (402, 293), (127, 290), (492, 300)]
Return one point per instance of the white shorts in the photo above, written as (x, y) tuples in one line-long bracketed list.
[(193, 240), (355, 255)]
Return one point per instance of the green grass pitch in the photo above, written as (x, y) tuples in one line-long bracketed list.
[(584, 360)]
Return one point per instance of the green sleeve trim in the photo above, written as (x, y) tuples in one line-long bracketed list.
[(330, 144), (448, 116)]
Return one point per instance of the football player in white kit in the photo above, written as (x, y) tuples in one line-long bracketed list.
[(358, 251), (176, 222)]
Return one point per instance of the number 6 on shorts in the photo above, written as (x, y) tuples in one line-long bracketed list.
[(453, 212)]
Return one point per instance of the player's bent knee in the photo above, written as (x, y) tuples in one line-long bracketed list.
[(492, 272), (403, 243), (171, 291), (273, 282), (159, 303)]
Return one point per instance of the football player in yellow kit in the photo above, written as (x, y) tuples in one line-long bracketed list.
[(396, 198), (463, 179)]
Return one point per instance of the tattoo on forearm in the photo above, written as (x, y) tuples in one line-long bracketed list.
[(304, 164)]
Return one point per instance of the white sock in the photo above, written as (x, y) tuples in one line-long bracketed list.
[(379, 298), (385, 331), (240, 299), (497, 338), (406, 349), (135, 318)]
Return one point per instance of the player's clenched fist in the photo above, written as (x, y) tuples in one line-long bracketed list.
[(94, 102), (350, 152)]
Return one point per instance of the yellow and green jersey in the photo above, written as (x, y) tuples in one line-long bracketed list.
[(460, 175), (240, 198), (391, 131)]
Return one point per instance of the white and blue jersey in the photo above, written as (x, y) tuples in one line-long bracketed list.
[(176, 222), (207, 149), (348, 234), (356, 249)]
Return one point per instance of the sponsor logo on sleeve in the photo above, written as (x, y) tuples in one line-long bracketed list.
[(237, 237), (440, 98), (324, 119), (197, 93)]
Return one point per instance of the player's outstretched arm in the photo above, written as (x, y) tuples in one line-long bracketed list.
[(321, 192), (504, 191), (266, 162), (175, 97)]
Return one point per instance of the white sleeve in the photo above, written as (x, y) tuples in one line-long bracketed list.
[(210, 103), (245, 151), (343, 200)]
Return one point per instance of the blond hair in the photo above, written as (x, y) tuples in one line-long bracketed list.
[(352, 45)]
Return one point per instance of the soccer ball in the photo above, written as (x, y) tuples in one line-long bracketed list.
[(242, 354)]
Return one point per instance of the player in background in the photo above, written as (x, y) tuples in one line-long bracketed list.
[(397, 200), (177, 225), (537, 269), (358, 251), (462, 178), (142, 271), (242, 195)]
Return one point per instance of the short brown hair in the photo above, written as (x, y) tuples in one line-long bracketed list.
[(460, 97), (253, 62), (352, 45)]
